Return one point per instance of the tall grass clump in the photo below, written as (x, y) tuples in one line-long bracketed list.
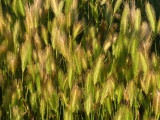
[(79, 60)]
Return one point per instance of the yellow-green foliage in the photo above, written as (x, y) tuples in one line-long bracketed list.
[(78, 59)]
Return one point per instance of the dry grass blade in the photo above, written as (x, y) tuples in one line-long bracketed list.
[(151, 16)]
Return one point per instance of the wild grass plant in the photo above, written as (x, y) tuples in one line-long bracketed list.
[(79, 60)]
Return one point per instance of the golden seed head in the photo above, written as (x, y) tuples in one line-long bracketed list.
[(12, 61)]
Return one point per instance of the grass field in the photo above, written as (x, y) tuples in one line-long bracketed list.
[(79, 60)]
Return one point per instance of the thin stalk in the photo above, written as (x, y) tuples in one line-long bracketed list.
[(22, 76)]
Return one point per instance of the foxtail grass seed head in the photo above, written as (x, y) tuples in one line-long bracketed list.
[(42, 108), (2, 23), (16, 112), (155, 61), (146, 83), (70, 76), (119, 93), (88, 104), (123, 113), (107, 90), (124, 19), (29, 22), (3, 48), (158, 27), (109, 107), (68, 115), (97, 95), (37, 41), (135, 61), (75, 98), (117, 5), (16, 31), (35, 56), (68, 4), (137, 19), (130, 93), (61, 43), (47, 4), (92, 32), (14, 7), (77, 29), (133, 12), (143, 63), (37, 5), (57, 7), (44, 33), (68, 20), (12, 61), (54, 101), (151, 16), (156, 103), (107, 45), (49, 59), (144, 31), (26, 53), (74, 5), (88, 83), (33, 101), (84, 60), (50, 87), (97, 69), (21, 7)]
